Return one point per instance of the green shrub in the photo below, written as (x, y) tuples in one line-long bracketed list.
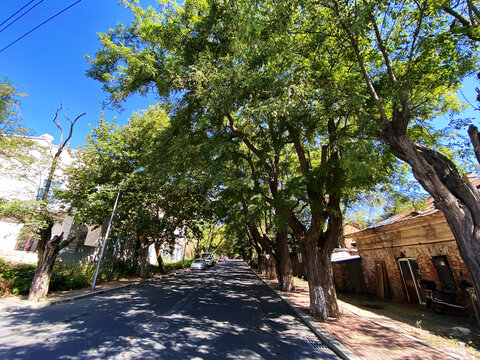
[(15, 278), (70, 277), (115, 270), (171, 266)]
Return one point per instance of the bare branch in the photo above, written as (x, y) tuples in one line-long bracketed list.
[(371, 89), (473, 9), (57, 122), (388, 62), (70, 133), (459, 17), (465, 23)]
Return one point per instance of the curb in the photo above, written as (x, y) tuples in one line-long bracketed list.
[(67, 299), (336, 346)]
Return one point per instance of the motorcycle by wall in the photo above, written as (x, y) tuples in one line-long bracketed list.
[(440, 301)]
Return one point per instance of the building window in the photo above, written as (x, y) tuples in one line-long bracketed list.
[(28, 243), (444, 272), (80, 232), (51, 194)]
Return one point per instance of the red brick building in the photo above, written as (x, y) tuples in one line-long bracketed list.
[(399, 251)]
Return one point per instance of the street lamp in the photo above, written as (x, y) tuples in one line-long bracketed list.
[(109, 226)]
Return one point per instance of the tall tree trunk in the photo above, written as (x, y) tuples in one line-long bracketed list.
[(158, 252), (262, 263), (43, 273), (319, 246), (455, 196), (143, 256), (475, 139), (270, 271), (278, 257), (277, 251), (284, 265), (45, 235), (323, 298), (47, 247)]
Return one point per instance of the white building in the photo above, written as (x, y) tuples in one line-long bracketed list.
[(25, 180)]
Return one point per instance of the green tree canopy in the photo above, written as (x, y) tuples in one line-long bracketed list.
[(11, 146)]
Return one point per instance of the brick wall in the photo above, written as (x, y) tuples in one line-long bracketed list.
[(341, 277), (419, 239)]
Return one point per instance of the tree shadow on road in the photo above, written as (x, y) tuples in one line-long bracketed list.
[(206, 317)]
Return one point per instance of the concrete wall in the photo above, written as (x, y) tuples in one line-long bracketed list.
[(9, 231)]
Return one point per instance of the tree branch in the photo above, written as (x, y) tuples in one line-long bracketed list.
[(363, 69), (386, 57), (475, 139), (245, 140), (72, 124)]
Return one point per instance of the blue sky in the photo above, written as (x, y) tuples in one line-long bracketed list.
[(49, 64)]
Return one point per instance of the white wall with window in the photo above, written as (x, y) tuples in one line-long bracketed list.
[(25, 181)]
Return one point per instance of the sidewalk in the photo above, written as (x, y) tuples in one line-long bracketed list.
[(12, 303), (369, 335)]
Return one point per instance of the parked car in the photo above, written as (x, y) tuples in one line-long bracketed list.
[(222, 259), (209, 259), (198, 264)]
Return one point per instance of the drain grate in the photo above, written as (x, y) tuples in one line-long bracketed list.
[(316, 344)]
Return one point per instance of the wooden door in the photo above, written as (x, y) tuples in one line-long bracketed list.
[(382, 285)]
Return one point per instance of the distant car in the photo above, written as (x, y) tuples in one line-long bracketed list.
[(222, 259), (198, 264)]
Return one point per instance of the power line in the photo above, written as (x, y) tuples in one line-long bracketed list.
[(23, 7), (19, 17), (36, 27)]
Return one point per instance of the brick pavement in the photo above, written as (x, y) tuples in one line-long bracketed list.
[(368, 339)]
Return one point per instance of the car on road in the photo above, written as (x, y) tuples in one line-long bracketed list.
[(222, 259), (209, 259), (198, 264)]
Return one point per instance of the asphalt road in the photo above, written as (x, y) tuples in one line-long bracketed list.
[(224, 312)]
